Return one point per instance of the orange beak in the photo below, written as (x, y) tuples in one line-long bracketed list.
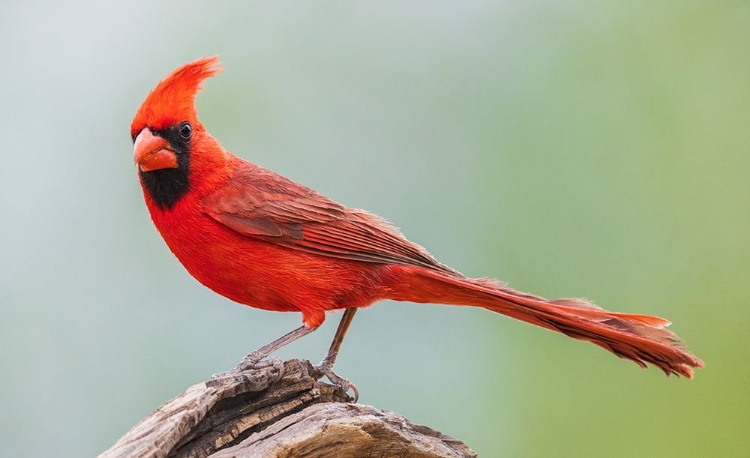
[(153, 153)]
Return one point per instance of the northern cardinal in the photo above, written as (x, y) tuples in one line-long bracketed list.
[(265, 241)]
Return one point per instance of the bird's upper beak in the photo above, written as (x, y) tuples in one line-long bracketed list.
[(152, 152)]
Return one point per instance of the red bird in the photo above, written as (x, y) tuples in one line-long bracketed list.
[(265, 241)]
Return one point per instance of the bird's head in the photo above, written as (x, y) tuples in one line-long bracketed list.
[(166, 133)]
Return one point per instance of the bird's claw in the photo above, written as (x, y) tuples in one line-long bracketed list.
[(254, 361), (220, 375), (337, 380)]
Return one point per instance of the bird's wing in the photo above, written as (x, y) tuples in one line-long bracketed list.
[(258, 203)]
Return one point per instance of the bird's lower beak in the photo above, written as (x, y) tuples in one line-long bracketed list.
[(153, 153)]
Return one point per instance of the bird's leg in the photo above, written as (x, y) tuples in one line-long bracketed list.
[(254, 360), (326, 366)]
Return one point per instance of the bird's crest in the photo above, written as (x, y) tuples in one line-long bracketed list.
[(173, 99)]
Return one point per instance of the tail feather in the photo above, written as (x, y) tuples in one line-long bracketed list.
[(639, 338)]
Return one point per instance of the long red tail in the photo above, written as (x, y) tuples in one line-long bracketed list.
[(639, 338)]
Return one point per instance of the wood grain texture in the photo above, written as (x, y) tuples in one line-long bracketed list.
[(253, 414)]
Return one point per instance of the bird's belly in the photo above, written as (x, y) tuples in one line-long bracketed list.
[(270, 276)]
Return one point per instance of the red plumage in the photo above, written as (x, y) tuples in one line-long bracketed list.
[(262, 240)]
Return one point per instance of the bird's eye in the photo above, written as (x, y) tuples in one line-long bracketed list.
[(186, 131)]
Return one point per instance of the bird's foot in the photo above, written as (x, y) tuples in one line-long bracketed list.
[(254, 361), (326, 369)]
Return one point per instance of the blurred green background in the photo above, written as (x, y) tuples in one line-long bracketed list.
[(573, 148)]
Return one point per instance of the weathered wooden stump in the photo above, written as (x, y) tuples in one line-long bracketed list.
[(253, 415)]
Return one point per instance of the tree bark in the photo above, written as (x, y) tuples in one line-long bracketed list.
[(260, 414)]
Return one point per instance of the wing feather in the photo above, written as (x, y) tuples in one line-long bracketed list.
[(258, 203)]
